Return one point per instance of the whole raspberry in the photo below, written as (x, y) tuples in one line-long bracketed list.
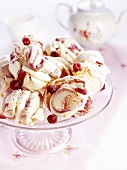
[(26, 41), (76, 67)]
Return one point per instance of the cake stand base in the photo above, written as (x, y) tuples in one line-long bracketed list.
[(42, 142)]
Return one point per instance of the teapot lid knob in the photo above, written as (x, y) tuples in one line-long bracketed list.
[(91, 6)]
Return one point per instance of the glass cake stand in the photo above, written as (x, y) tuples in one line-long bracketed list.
[(45, 138)]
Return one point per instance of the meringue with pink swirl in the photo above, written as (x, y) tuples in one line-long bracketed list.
[(68, 96), (23, 105), (92, 69), (66, 48)]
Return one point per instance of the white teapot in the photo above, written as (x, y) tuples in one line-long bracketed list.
[(92, 24)]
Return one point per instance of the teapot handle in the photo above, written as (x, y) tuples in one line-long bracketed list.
[(57, 14)]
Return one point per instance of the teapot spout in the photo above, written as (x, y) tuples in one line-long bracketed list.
[(120, 23)]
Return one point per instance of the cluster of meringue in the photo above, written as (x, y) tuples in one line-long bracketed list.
[(60, 76)]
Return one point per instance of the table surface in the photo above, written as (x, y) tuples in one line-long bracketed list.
[(103, 140)]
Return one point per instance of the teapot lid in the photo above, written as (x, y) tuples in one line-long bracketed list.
[(91, 6)]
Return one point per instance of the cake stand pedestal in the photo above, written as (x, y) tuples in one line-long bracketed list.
[(42, 142)]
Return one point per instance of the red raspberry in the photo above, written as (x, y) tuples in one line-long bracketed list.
[(76, 67), (52, 118), (54, 54), (15, 85), (26, 41)]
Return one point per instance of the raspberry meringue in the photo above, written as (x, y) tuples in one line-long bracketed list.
[(66, 48), (23, 106), (92, 69), (67, 96)]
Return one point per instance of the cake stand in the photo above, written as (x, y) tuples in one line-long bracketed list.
[(45, 138)]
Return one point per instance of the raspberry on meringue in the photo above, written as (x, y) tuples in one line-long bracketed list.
[(66, 48), (92, 69)]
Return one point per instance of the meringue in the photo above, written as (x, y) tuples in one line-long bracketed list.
[(66, 48), (66, 96), (23, 106), (93, 69)]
